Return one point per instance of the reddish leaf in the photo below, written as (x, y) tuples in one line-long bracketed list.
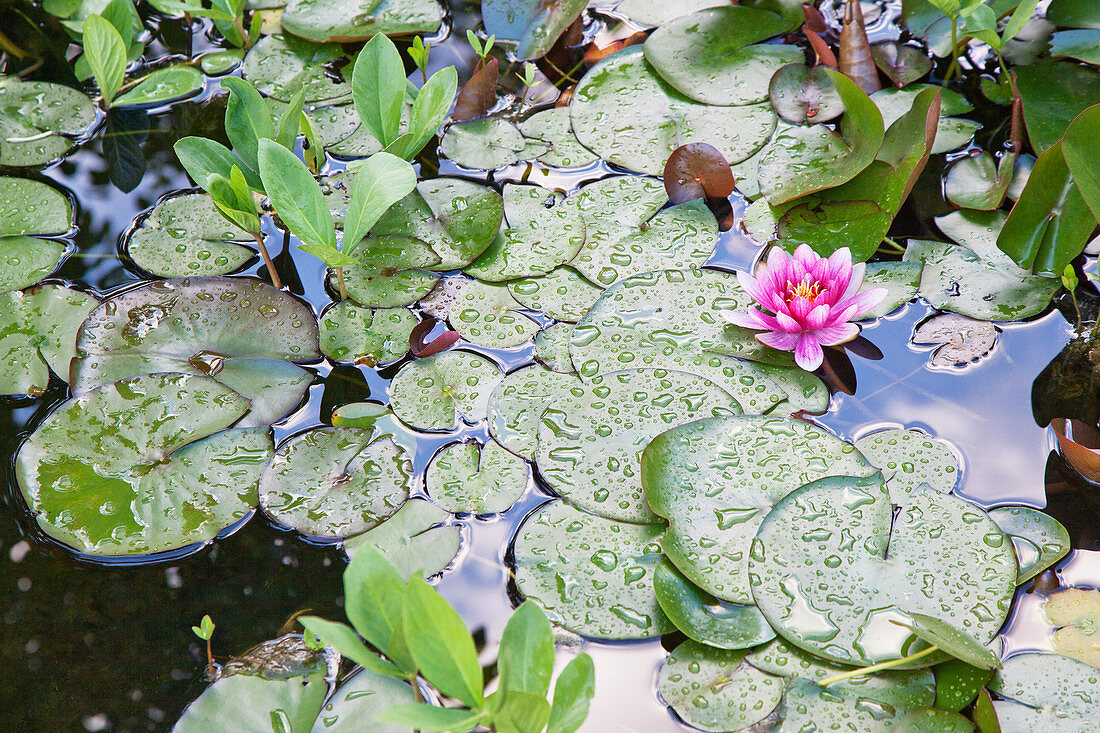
[(902, 64), (856, 61), (478, 95), (695, 171), (421, 348), (1079, 443), (814, 20), (824, 54), (596, 53), (565, 97)]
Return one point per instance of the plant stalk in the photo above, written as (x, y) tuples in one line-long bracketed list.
[(417, 697), (954, 67), (267, 260), (862, 671), (340, 283), (209, 660)]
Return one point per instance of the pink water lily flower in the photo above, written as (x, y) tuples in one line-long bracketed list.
[(813, 299)]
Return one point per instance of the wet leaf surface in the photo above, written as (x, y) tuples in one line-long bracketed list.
[(27, 260), (485, 144), (186, 236), (900, 279), (978, 183), (475, 479), (804, 95), (1075, 613), (163, 86), (414, 540), (706, 619), (1046, 692), (533, 26), (552, 126), (910, 458), (1039, 539), (552, 348), (49, 113), (951, 132), (38, 335), (279, 65), (31, 207), (483, 313), (517, 404), (561, 294), (696, 171), (433, 393), (903, 64), (391, 272), (355, 335), (347, 21)]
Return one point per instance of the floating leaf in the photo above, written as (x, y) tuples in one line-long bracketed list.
[(696, 171), (31, 207), (808, 704), (607, 566), (552, 348), (185, 235), (830, 225), (390, 272), (828, 584), (1039, 539), (976, 182), (485, 144), (707, 55), (951, 132), (517, 404), (715, 480), (657, 12), (356, 335), (348, 21), (484, 313), (552, 126), (357, 703), (714, 690), (958, 683), (220, 62), (1075, 613), (908, 459), (468, 477), (433, 393), (1054, 94), (804, 95), (900, 279), (1049, 693), (934, 721), (281, 65), (240, 331), (959, 644), (139, 466), (38, 334), (533, 26), (614, 209), (624, 112), (25, 261), (561, 294), (901, 63), (38, 118), (590, 444), (413, 540), (163, 86), (706, 619)]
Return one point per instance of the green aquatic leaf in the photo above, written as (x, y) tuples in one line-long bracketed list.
[(27, 260), (378, 88), (185, 235), (552, 126), (349, 21), (976, 182), (440, 644), (552, 347), (380, 182), (483, 313), (106, 52), (517, 403), (477, 479), (413, 540), (485, 144), (356, 335), (573, 690), (1039, 539), (359, 703), (389, 272), (949, 638), (295, 195), (533, 26), (1054, 94), (951, 131), (525, 661), (1047, 693), (803, 94), (163, 86), (934, 721), (202, 158), (703, 617), (344, 640), (247, 120), (39, 119), (607, 566), (561, 294), (958, 683), (433, 102), (1075, 145), (1075, 614), (38, 331), (434, 393), (281, 65), (32, 208), (656, 13), (909, 459), (901, 281)]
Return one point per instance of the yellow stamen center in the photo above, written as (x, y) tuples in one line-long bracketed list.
[(805, 289)]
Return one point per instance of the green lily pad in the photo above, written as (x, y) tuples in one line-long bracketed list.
[(253, 700), (829, 225), (139, 466), (186, 236), (623, 111), (413, 540), (163, 86), (1049, 693), (552, 348), (714, 690), (517, 404), (977, 182), (359, 414), (804, 95), (220, 62), (958, 683), (716, 480), (485, 144), (553, 127), (476, 479), (390, 272), (590, 574), (38, 334), (356, 335), (808, 705), (910, 458), (656, 12), (1075, 613), (31, 207), (349, 21), (533, 26), (542, 233), (25, 261), (38, 119), (590, 443), (561, 294), (951, 132), (357, 703), (984, 288), (900, 279), (828, 585), (959, 644), (335, 482), (457, 218), (280, 65), (706, 619), (903, 64), (1082, 44), (433, 393), (240, 331), (934, 721), (483, 313), (1039, 539), (341, 132)]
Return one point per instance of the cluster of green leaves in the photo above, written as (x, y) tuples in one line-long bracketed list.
[(421, 635), (228, 17)]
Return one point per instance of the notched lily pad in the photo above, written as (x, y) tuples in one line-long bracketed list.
[(561, 294), (476, 479), (900, 279), (961, 340), (39, 119), (349, 21), (951, 132), (484, 313), (25, 261), (433, 393), (1047, 692), (32, 208), (186, 236), (1039, 539), (1075, 613), (279, 65), (553, 127), (38, 335), (804, 95), (413, 540), (391, 271), (706, 619), (901, 63), (356, 335), (552, 348), (517, 404), (910, 458), (485, 144), (163, 86)]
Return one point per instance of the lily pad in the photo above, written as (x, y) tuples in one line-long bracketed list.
[(958, 683), (900, 279), (552, 348), (484, 313), (163, 86), (433, 393), (356, 335), (828, 584), (804, 95), (807, 704), (25, 261), (457, 218), (542, 233), (38, 334), (553, 127), (39, 119), (956, 642), (829, 225), (656, 12), (561, 294), (357, 703), (590, 444), (517, 404), (139, 466), (1082, 44), (901, 63), (217, 63), (471, 478), (335, 482), (715, 690), (590, 574), (348, 21), (240, 331), (977, 182), (934, 721), (185, 235), (623, 111), (390, 272), (534, 26), (1054, 94), (413, 540), (1075, 613), (1050, 693), (33, 208), (951, 132), (908, 459), (485, 144), (1039, 539), (716, 480), (707, 55), (706, 619), (961, 341), (279, 65)]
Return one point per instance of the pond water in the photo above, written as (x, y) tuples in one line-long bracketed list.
[(106, 646)]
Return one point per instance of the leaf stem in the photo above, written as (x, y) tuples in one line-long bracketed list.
[(209, 659), (862, 671), (417, 697), (340, 283), (954, 48), (267, 260)]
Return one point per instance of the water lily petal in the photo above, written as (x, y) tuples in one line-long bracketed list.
[(817, 317), (788, 324), (800, 309), (751, 286), (751, 319), (833, 335), (855, 281), (806, 256), (781, 341), (808, 353), (863, 302)]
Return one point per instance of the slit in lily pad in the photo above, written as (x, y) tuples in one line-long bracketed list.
[(39, 331), (434, 393), (476, 479)]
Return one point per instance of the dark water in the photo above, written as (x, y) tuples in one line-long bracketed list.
[(86, 646)]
